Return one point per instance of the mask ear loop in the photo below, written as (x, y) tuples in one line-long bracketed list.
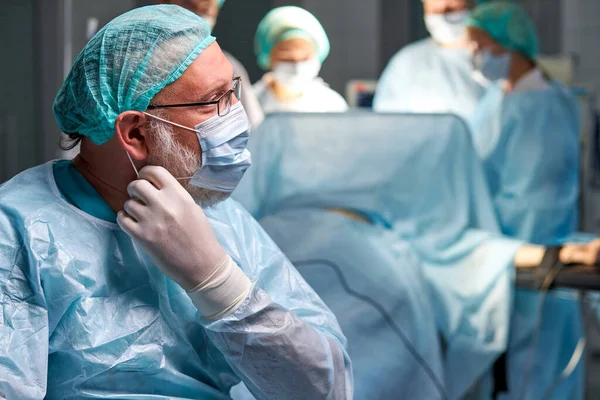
[(187, 128), (137, 173), (171, 123)]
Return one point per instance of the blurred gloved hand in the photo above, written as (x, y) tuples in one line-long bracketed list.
[(171, 228), (581, 253)]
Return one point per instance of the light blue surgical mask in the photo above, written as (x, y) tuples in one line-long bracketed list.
[(225, 157), (492, 67)]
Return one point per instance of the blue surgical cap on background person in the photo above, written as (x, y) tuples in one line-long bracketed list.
[(508, 24), (286, 23), (125, 65)]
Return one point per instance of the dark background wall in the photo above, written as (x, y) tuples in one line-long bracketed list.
[(19, 144), (235, 30)]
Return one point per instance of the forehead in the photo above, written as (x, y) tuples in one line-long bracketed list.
[(210, 70), (479, 35), (295, 44)]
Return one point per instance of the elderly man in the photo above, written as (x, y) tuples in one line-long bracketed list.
[(209, 10), (433, 75), (117, 287)]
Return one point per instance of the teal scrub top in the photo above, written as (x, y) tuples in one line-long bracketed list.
[(75, 189)]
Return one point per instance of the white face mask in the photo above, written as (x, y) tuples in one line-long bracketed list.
[(296, 76), (447, 28)]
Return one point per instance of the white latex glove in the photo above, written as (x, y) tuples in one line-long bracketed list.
[(174, 231)]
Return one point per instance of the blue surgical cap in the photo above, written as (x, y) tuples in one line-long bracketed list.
[(508, 24), (221, 3), (286, 23), (125, 65)]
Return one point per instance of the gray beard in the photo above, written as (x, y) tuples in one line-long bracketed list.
[(205, 198), (180, 162)]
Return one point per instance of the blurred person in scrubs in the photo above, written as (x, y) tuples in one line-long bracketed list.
[(127, 272), (526, 131), (291, 44), (433, 75), (526, 128), (209, 10)]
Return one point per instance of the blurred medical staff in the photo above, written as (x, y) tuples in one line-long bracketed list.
[(433, 75), (209, 10), (526, 130), (291, 44)]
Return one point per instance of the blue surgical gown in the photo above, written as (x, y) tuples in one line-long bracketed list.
[(85, 314), (419, 176), (529, 143), (425, 77), (375, 286), (317, 96)]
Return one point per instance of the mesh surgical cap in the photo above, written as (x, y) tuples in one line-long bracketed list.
[(286, 23), (125, 65), (508, 24)]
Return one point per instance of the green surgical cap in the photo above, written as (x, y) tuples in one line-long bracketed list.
[(508, 24), (125, 65), (286, 23), (221, 3)]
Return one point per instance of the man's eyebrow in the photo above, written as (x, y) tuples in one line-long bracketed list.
[(214, 92)]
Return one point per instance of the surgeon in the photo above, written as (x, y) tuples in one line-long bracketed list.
[(433, 75), (526, 131), (210, 10), (127, 273), (291, 44)]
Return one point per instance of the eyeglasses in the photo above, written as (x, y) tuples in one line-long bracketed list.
[(223, 103)]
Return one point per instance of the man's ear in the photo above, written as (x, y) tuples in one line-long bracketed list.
[(131, 128)]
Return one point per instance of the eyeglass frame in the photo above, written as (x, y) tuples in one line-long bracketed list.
[(235, 90)]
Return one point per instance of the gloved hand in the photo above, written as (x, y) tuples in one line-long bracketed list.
[(578, 253), (164, 219)]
